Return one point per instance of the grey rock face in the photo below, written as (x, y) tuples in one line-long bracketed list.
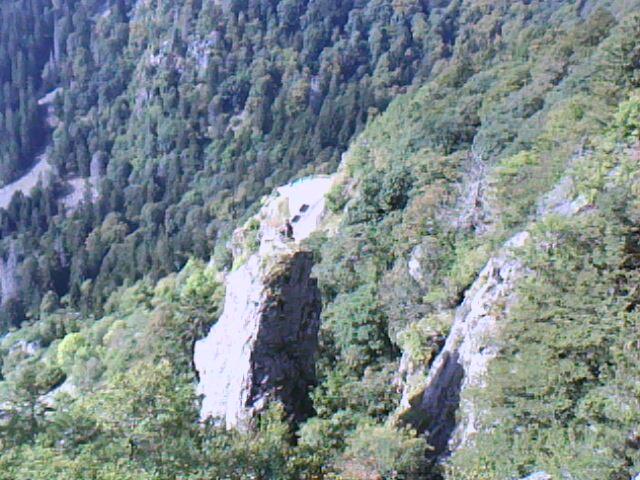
[(24, 347), (283, 357), (469, 348), (9, 275), (415, 270), (443, 408), (538, 476), (264, 344), (560, 201), (472, 211)]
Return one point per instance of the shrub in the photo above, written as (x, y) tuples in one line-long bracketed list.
[(381, 451), (72, 348), (628, 117), (358, 327)]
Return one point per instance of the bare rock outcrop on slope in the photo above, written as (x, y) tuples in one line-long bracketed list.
[(469, 348), (264, 344), (9, 275), (441, 405)]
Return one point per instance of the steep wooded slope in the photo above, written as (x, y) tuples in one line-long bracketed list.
[(191, 111), (533, 106)]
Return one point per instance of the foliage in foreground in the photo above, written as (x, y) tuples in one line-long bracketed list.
[(526, 107)]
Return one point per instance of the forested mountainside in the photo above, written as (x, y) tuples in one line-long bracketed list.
[(185, 113), (477, 265)]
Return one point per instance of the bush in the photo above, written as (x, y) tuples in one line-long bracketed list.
[(394, 191), (628, 117), (423, 339), (383, 452), (358, 327), (72, 348), (336, 198)]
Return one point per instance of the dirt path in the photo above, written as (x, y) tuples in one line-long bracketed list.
[(40, 171)]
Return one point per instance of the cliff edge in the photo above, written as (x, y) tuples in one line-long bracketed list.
[(263, 346)]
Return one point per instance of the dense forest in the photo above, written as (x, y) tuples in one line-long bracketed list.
[(452, 120), (25, 48), (189, 112)]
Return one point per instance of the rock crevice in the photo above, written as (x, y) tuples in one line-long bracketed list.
[(443, 408), (464, 359)]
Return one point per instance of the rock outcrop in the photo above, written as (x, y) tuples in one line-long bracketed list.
[(9, 275), (538, 476), (264, 344), (440, 406), (40, 172), (469, 348)]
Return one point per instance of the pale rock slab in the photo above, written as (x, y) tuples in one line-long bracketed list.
[(442, 407), (263, 346), (469, 348)]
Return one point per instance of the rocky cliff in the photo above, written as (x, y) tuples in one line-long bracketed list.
[(442, 406), (263, 346), (469, 348)]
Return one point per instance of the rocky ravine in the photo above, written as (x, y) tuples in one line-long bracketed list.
[(440, 404), (263, 346), (41, 170), (470, 346)]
